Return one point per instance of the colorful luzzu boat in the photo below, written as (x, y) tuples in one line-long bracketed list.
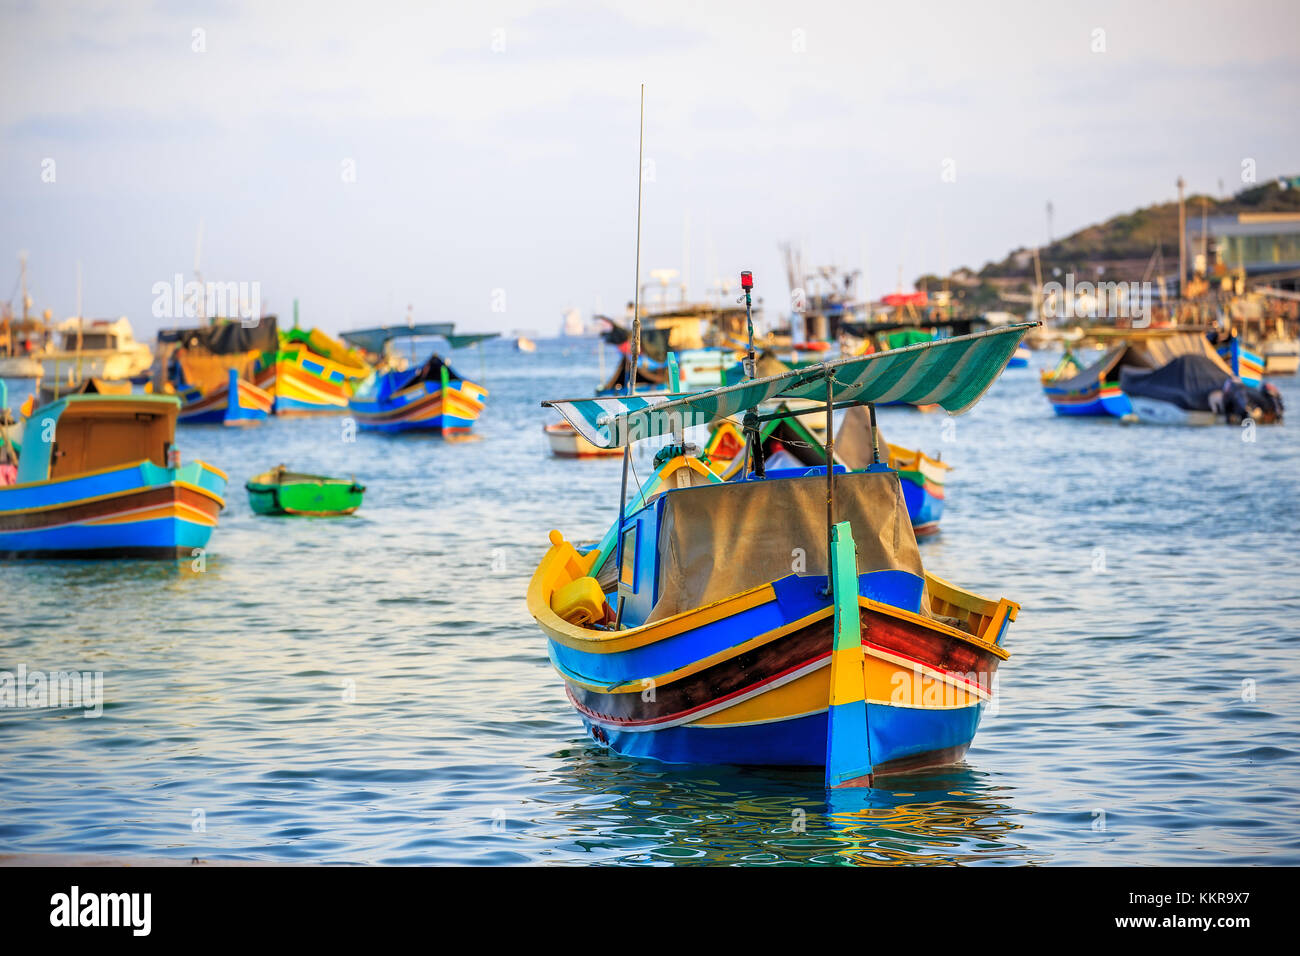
[(788, 442), (714, 624), (1096, 390), (429, 398), (310, 373), (96, 480), (1245, 364), (237, 402), (210, 369)]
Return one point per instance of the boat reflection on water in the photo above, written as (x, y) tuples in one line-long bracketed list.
[(629, 811)]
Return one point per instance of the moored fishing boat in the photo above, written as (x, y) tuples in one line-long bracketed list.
[(237, 402), (99, 476), (211, 368), (431, 398), (283, 492), (565, 442), (1241, 361), (1281, 356), (310, 372), (783, 618), (1073, 389), (94, 348), (1193, 390)]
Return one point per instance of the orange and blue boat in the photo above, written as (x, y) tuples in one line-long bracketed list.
[(782, 618), (310, 373), (237, 402), (430, 397), (1244, 363), (1095, 390), (99, 476), (211, 369)]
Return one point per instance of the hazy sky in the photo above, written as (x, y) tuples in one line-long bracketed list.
[(494, 144)]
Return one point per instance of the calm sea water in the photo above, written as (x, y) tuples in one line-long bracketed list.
[(372, 689)]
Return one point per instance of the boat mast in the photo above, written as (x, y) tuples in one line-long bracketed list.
[(200, 297), (636, 295), (636, 354), (81, 322)]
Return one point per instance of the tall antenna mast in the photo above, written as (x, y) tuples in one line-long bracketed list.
[(636, 355), (201, 297), (636, 296)]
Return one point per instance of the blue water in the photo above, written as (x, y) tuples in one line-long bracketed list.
[(1157, 570)]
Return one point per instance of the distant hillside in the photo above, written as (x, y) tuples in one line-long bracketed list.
[(1136, 235)]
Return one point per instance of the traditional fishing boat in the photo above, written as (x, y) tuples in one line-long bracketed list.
[(432, 397), (1281, 356), (99, 476), (283, 492), (211, 370), (787, 442), (310, 372), (565, 442), (784, 617), (1193, 390), (1095, 390), (1241, 361)]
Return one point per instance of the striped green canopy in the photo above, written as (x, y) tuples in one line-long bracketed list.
[(953, 373)]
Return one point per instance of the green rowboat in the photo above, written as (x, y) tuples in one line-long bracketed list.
[(281, 492)]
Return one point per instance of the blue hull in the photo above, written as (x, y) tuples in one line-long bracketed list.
[(895, 734), (923, 508), (139, 510)]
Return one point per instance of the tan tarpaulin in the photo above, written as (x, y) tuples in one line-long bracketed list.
[(200, 367), (719, 540), (853, 439), (1144, 351), (1161, 350)]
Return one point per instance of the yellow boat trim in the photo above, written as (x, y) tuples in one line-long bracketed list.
[(562, 561), (176, 510), (85, 474)]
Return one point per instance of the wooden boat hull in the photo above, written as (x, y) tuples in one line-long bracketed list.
[(136, 510), (306, 495), (423, 407), (1245, 364), (1102, 400), (565, 442), (1281, 358), (746, 680), (251, 406), (302, 383)]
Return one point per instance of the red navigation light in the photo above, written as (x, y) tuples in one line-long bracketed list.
[(747, 280)]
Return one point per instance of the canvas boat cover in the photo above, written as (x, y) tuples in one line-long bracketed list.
[(720, 539), (1187, 382), (1145, 353), (225, 337), (645, 377), (373, 340), (952, 372), (431, 371), (853, 440)]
